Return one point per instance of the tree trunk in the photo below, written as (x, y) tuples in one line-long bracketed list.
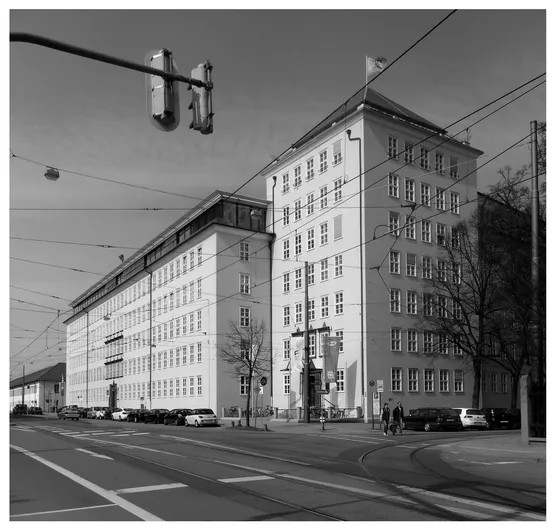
[(248, 402), (476, 383), (515, 386)]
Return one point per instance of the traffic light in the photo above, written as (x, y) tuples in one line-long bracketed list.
[(202, 102), (162, 95)]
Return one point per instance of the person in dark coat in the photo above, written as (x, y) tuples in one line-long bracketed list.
[(398, 416), (385, 416)]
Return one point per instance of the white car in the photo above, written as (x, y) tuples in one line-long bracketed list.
[(120, 414), (472, 418), (201, 417)]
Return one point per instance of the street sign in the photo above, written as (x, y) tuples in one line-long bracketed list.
[(372, 383), (322, 391), (380, 386), (263, 381), (257, 390), (376, 406), (375, 395), (261, 391)]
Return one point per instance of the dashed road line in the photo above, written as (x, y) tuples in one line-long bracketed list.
[(62, 511), (246, 479), (142, 489), (95, 455)]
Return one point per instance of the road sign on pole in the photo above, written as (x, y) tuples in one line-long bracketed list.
[(380, 386)]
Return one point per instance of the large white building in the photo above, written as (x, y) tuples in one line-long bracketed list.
[(168, 306)]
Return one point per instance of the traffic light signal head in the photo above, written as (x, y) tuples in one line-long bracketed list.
[(202, 102), (162, 95)]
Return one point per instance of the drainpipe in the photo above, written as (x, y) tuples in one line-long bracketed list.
[(271, 251)]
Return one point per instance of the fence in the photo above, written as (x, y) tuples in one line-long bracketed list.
[(330, 413)]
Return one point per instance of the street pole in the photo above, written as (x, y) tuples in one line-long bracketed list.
[(87, 353), (306, 373), (23, 388), (150, 334)]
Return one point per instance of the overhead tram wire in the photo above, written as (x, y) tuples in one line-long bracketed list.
[(31, 303), (104, 246), (39, 293)]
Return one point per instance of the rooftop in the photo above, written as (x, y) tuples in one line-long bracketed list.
[(53, 373)]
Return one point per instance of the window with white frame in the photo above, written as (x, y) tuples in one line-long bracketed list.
[(443, 381), (338, 266), (323, 233), (455, 346), (323, 161), (245, 283), (410, 265), (411, 303), (394, 262), (184, 264), (324, 197), (394, 223), (412, 380), (192, 291), (456, 309), (427, 301), (340, 380), (441, 270), (426, 268), (298, 274), (337, 190), (441, 234), (324, 304), (409, 190), (429, 380), (243, 385), (184, 386), (458, 381), (337, 152), (184, 355), (199, 256), (396, 340), (456, 272), (285, 183), (338, 227), (199, 385), (287, 316), (440, 202), (244, 251), (312, 345), (392, 147), (287, 383), (199, 320), (324, 270), (285, 215), (454, 167), (408, 153), (287, 348), (310, 274), (285, 246), (442, 343), (454, 203), (426, 231), (192, 260), (439, 163), (442, 306), (424, 158), (297, 176), (504, 383), (192, 353), (245, 316), (298, 244), (286, 282), (425, 193), (412, 340), (310, 169), (171, 358), (395, 300), (310, 203), (410, 227), (393, 188), (184, 294), (493, 383), (339, 333), (297, 211), (428, 342), (310, 239), (396, 379), (338, 303), (298, 313), (454, 237)]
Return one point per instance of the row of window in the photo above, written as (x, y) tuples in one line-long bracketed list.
[(314, 343), (429, 380), (310, 167), (298, 239), (493, 377), (297, 276), (431, 305), (410, 228), (444, 271), (338, 309), (424, 341), (297, 212), (166, 388)]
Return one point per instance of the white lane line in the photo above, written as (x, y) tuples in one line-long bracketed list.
[(468, 513), (246, 479), (492, 449), (407, 446), (61, 511), (124, 434), (104, 433), (486, 463), (96, 455), (22, 429), (106, 494), (136, 434), (471, 502), (351, 439), (142, 489)]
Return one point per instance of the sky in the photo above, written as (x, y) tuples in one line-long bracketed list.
[(276, 74)]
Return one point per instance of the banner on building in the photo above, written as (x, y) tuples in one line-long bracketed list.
[(330, 351), (296, 354)]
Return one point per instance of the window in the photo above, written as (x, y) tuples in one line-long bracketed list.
[(324, 270), (192, 355), (337, 190), (338, 266), (199, 320), (429, 378), (338, 303), (245, 315), (442, 344), (408, 153), (441, 270), (310, 239), (297, 213), (286, 383), (484, 382), (493, 383), (323, 161), (184, 355), (245, 282), (285, 183), (339, 333), (396, 379), (338, 227), (394, 223), (324, 197), (426, 267), (340, 380), (310, 169), (184, 295), (454, 167), (441, 230), (323, 233), (410, 227), (410, 265), (409, 190), (285, 216), (286, 282), (440, 202), (439, 163), (297, 174), (287, 316), (310, 204), (199, 291), (298, 313), (184, 264), (424, 158), (425, 192), (459, 381), (192, 291), (184, 391), (192, 260), (298, 244), (244, 251), (393, 181), (199, 256), (310, 274), (337, 152), (443, 381), (426, 231), (177, 359), (395, 300), (177, 298), (411, 303), (287, 348), (286, 249), (503, 383), (312, 345), (455, 345), (396, 340), (428, 342), (392, 147), (177, 387), (454, 203), (394, 262), (454, 237), (412, 380), (412, 341), (456, 272), (324, 303), (298, 278)]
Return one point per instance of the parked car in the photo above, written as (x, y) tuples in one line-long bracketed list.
[(432, 419), (499, 417), (35, 410), (92, 411), (68, 412), (136, 415), (20, 408), (108, 412), (516, 418), (472, 418), (201, 417), (83, 411), (176, 416), (155, 415), (120, 414), (101, 413)]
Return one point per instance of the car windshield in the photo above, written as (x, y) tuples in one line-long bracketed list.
[(203, 411), (473, 411)]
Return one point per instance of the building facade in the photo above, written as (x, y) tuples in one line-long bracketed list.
[(147, 334), (365, 199)]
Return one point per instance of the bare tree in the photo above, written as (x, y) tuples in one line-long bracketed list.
[(246, 353)]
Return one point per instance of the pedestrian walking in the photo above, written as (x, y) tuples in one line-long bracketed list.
[(385, 415), (398, 416)]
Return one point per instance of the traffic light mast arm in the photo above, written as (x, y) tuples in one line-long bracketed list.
[(101, 57)]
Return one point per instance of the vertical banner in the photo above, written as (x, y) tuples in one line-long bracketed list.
[(330, 351), (296, 354)]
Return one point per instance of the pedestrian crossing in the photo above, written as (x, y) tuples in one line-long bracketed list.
[(72, 433)]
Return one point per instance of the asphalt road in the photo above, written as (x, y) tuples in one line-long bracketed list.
[(103, 470)]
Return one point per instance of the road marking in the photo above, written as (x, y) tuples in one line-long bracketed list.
[(468, 513), (349, 439), (257, 470), (136, 434), (106, 494), (124, 434), (246, 479), (493, 449), (62, 511), (97, 455), (487, 463), (407, 446), (23, 429), (142, 489), (104, 433)]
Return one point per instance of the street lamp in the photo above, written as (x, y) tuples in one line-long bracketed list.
[(52, 174)]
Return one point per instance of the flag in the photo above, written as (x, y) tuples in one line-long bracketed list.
[(330, 351), (297, 351), (373, 66)]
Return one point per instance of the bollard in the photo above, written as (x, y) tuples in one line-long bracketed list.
[(239, 423), (323, 421), (266, 427), (232, 423)]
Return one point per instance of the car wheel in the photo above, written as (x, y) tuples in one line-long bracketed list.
[(127, 419), (186, 422), (196, 423), (177, 422), (136, 419), (77, 419), (165, 421), (427, 428)]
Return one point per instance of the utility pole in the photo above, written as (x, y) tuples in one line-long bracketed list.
[(150, 334), (23, 388), (87, 352), (306, 373)]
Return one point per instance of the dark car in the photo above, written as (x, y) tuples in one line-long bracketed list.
[(155, 415), (34, 410), (83, 411), (433, 419), (136, 415), (176, 416), (108, 412), (516, 418), (499, 417), (20, 408)]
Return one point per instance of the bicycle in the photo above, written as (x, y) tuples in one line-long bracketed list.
[(233, 412)]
